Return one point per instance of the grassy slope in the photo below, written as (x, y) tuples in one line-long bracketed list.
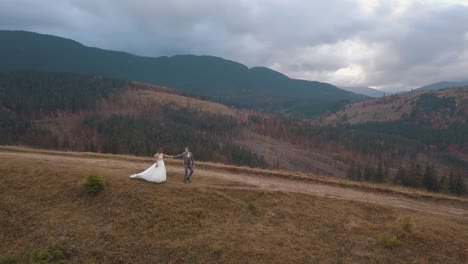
[(209, 221)]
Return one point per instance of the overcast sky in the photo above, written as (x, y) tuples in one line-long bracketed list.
[(377, 43)]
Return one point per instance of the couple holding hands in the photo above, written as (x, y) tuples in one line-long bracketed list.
[(157, 171)]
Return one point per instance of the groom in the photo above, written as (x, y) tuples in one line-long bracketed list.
[(189, 162)]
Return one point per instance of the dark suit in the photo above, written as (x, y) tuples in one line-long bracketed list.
[(188, 164)]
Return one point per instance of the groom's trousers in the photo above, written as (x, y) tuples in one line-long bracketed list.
[(188, 172)]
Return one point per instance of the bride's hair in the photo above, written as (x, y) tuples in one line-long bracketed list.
[(160, 150)]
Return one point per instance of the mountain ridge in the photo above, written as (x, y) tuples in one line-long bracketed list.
[(442, 85), (225, 81), (371, 92)]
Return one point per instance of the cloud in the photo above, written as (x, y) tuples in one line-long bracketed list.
[(400, 43)]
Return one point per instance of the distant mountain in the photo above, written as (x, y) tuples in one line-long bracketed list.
[(451, 102), (366, 91), (436, 120), (442, 85), (225, 81)]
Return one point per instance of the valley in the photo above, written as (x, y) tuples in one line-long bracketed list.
[(318, 132), (100, 114)]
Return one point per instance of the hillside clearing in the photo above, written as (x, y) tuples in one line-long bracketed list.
[(222, 217)]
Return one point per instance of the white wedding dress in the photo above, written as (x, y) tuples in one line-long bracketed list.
[(155, 173)]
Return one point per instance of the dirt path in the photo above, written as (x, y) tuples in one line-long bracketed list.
[(271, 184), (285, 185)]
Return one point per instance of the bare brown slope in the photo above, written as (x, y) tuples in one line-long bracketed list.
[(221, 217)]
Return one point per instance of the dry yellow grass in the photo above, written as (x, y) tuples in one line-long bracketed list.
[(209, 221), (144, 93), (147, 97), (383, 188)]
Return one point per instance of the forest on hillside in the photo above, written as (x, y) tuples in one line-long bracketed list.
[(27, 97), (373, 154), (90, 113)]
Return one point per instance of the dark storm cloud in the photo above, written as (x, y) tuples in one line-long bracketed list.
[(345, 42)]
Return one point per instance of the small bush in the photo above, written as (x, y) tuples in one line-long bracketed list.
[(216, 249), (41, 256), (57, 250), (8, 260), (388, 240), (406, 226), (53, 254), (94, 184), (251, 207), (192, 258)]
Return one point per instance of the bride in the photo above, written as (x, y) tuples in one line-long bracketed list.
[(155, 173)]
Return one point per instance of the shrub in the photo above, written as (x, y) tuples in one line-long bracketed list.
[(216, 249), (8, 260), (192, 257), (53, 254), (388, 240), (94, 184), (406, 226), (251, 207), (41, 256), (57, 250)]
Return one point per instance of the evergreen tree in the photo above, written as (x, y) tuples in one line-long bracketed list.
[(379, 174), (429, 179), (66, 142), (368, 173), (444, 184), (359, 176), (351, 174), (460, 184), (456, 183), (452, 182), (386, 174), (415, 176), (401, 177)]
